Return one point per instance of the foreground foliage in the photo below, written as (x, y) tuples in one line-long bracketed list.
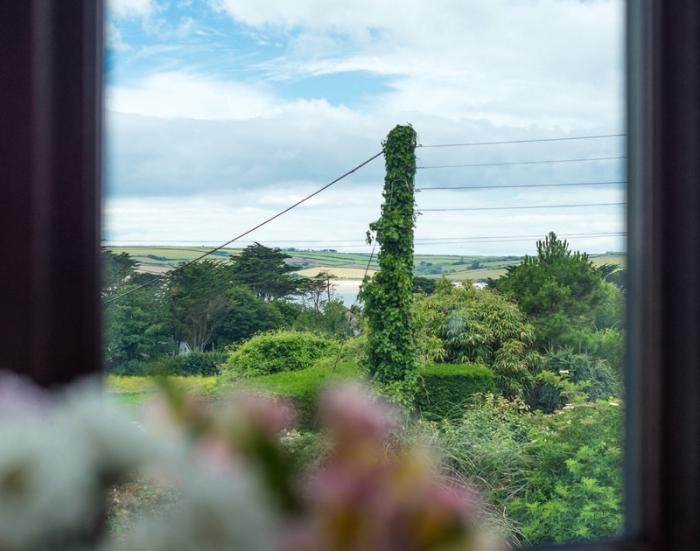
[(226, 478), (556, 477)]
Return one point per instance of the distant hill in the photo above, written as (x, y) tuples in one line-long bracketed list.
[(348, 265)]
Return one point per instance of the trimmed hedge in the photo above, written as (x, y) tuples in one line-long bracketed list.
[(277, 352), (446, 388), (303, 386)]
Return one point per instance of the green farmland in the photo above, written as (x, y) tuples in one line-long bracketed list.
[(347, 265)]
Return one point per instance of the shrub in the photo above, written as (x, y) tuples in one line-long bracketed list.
[(575, 493), (195, 363), (468, 325), (489, 446), (279, 351), (445, 389), (302, 387)]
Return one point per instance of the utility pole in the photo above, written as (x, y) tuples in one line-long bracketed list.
[(388, 297)]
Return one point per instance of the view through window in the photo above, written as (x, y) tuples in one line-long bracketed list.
[(428, 197)]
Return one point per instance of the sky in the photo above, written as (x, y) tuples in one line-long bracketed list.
[(221, 112)]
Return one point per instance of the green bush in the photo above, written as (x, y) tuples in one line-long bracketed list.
[(548, 478), (445, 389), (279, 351), (194, 363), (302, 387), (575, 490), (463, 324)]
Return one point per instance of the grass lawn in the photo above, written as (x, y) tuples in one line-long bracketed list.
[(134, 391)]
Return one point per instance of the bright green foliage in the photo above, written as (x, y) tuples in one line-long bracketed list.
[(562, 293), (575, 491), (264, 271), (554, 478), (445, 389), (458, 324), (197, 302), (391, 352), (278, 351)]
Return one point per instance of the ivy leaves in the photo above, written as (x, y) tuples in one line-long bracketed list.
[(391, 358)]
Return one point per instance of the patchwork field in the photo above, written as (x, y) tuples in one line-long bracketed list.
[(160, 259)]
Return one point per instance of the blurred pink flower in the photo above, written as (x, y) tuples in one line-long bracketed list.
[(352, 415), (269, 415)]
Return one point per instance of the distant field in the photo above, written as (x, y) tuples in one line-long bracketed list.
[(159, 259), (341, 273)]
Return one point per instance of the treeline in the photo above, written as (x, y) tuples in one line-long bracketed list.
[(207, 306)]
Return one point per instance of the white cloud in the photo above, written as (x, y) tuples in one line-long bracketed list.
[(551, 61), (179, 94), (192, 156), (114, 37), (130, 8)]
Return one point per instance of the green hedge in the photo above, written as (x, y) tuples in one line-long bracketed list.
[(446, 388), (443, 391), (194, 363), (277, 352), (302, 387)]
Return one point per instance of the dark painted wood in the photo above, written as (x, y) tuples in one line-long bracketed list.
[(667, 158), (50, 122), (50, 118)]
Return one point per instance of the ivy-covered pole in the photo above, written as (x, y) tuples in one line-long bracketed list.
[(391, 358)]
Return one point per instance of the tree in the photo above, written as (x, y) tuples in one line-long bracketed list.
[(117, 269), (136, 328), (561, 291), (264, 271), (197, 302), (388, 297), (318, 290), (248, 315)]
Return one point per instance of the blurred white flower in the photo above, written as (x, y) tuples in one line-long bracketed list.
[(118, 446), (46, 490), (214, 512)]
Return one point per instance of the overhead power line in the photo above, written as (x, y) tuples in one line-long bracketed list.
[(513, 163), (519, 207), (251, 230), (535, 140), (355, 243), (521, 185)]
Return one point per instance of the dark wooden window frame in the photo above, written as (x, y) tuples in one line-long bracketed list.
[(50, 162)]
